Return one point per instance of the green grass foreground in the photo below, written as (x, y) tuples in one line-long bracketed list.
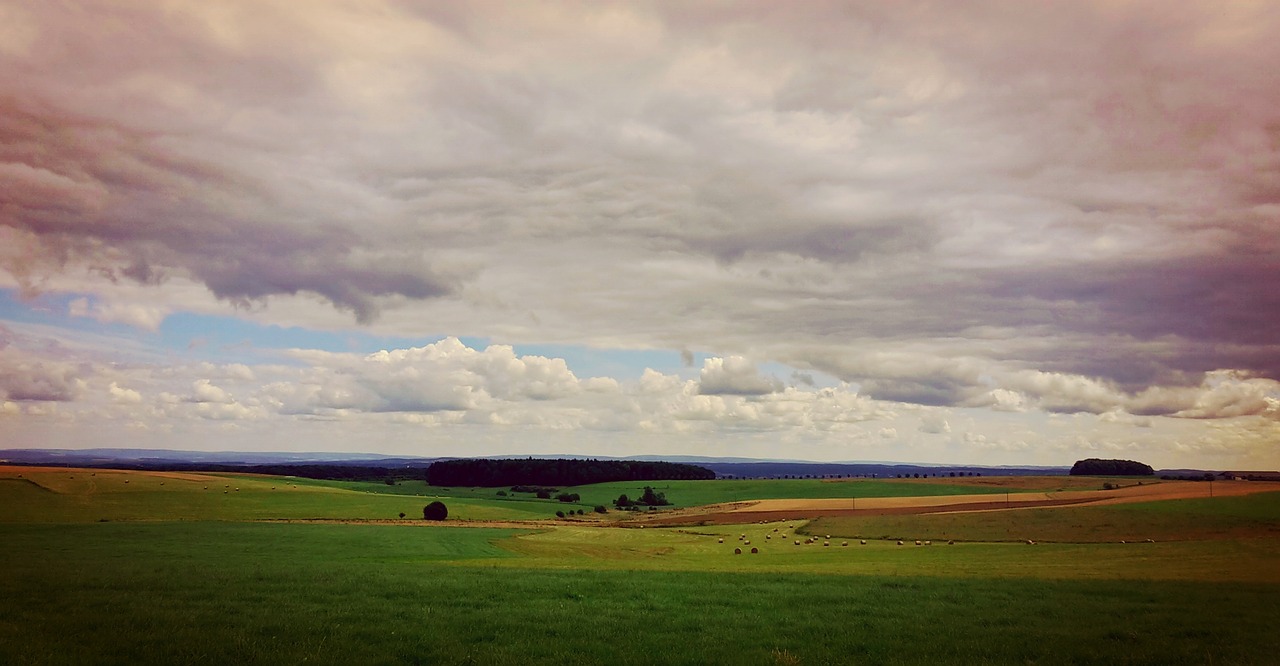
[(203, 592)]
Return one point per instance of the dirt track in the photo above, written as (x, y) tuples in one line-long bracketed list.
[(798, 509)]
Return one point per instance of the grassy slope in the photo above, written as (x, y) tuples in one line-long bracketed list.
[(254, 593), (74, 495), (1189, 519), (83, 496)]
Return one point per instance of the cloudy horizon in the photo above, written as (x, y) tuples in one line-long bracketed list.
[(997, 233)]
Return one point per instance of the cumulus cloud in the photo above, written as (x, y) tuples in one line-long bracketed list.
[(734, 375), (123, 395), (934, 424), (443, 376)]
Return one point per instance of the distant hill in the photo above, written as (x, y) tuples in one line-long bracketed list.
[(379, 464)]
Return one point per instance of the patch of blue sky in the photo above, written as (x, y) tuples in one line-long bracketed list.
[(230, 339)]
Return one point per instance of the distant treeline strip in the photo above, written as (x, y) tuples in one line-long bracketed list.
[(328, 472), (558, 472)]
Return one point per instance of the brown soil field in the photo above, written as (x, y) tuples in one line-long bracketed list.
[(799, 509)]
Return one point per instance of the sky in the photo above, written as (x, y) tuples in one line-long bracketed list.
[(1000, 233)]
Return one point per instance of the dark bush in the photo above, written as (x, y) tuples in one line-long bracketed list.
[(559, 514), (502, 493), (600, 509), (568, 497), (402, 515), (544, 494), (435, 511)]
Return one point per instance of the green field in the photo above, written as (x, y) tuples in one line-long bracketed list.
[(258, 593), (181, 572), (701, 493), (84, 496), (1187, 519)]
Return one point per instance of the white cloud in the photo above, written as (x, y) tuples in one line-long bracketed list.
[(734, 375), (123, 395), (204, 391), (146, 317)]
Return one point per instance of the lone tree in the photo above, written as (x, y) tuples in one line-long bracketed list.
[(435, 511)]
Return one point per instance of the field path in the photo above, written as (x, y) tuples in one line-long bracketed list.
[(796, 509)]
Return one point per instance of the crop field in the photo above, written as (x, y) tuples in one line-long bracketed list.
[(181, 574)]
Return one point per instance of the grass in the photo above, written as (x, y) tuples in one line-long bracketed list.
[(68, 496), (173, 578), (256, 593), (699, 493), (1188, 519)]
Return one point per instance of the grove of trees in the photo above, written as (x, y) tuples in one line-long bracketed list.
[(1110, 467), (559, 472)]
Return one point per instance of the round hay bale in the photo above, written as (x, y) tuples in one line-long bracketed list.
[(864, 542), (775, 529), (951, 542), (844, 543), (826, 543), (755, 551), (828, 536), (768, 536), (721, 540), (737, 551), (917, 542), (797, 542), (928, 543), (899, 543), (1030, 542), (747, 542)]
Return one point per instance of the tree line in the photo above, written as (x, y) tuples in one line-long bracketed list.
[(556, 472)]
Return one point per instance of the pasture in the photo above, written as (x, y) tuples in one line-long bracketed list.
[(185, 574)]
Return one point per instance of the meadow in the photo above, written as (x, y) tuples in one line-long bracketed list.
[(226, 587)]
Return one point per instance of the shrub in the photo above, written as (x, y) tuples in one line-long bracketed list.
[(559, 514), (401, 515), (600, 509), (502, 493), (544, 494), (568, 497), (579, 512), (435, 511)]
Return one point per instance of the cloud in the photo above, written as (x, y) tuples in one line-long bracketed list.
[(123, 395), (24, 377), (1014, 210), (141, 316), (443, 376), (934, 424), (734, 375)]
